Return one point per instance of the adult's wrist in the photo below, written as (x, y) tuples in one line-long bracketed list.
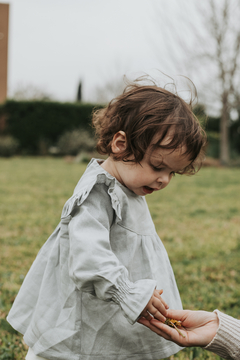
[(215, 325), (226, 342)]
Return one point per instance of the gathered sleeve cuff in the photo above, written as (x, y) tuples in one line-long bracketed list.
[(133, 297), (226, 342), (93, 266)]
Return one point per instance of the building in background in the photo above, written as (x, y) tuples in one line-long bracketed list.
[(4, 18)]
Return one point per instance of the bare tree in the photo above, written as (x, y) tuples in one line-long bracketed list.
[(109, 90), (208, 33), (226, 55), (30, 92)]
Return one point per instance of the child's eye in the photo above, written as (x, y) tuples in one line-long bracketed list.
[(156, 168)]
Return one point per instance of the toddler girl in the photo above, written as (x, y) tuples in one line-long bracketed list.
[(104, 263)]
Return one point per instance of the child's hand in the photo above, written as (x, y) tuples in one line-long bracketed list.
[(156, 307)]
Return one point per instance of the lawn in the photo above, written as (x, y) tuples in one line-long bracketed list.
[(197, 218)]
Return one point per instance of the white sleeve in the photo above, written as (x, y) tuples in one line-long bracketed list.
[(226, 342), (92, 264)]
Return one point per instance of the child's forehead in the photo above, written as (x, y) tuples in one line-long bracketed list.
[(175, 159), (161, 152), (157, 146)]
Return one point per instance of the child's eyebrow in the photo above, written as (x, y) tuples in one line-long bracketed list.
[(162, 163), (166, 165)]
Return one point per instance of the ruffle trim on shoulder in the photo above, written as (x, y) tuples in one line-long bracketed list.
[(79, 197)]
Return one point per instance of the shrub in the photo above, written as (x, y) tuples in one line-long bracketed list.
[(32, 121), (8, 146), (213, 147), (37, 125), (75, 141)]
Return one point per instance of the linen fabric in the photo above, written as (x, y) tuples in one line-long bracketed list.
[(93, 277), (31, 356), (226, 342)]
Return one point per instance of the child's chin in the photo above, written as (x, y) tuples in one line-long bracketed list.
[(139, 192)]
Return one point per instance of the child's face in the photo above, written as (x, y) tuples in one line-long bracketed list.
[(153, 173)]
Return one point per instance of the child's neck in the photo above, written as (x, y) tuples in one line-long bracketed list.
[(109, 165)]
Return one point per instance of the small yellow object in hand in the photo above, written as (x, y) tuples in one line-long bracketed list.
[(174, 323)]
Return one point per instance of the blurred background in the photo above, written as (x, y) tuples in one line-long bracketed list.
[(75, 55), (60, 60)]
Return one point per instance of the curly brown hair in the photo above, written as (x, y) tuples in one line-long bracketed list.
[(143, 111)]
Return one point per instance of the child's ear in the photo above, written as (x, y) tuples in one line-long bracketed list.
[(119, 142)]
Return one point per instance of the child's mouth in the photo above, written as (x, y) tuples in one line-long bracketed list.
[(147, 189)]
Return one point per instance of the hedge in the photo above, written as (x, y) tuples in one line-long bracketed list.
[(39, 124), (212, 126), (34, 122)]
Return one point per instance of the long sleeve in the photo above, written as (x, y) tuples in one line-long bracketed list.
[(93, 277), (226, 343), (92, 264)]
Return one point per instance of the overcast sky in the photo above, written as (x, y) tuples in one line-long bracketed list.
[(53, 44)]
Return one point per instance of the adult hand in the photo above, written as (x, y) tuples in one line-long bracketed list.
[(199, 327), (156, 307)]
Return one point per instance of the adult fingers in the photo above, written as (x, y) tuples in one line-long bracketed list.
[(155, 329), (169, 333), (177, 314), (161, 327)]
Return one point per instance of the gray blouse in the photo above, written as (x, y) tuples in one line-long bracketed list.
[(93, 277)]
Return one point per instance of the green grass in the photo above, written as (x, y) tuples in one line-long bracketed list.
[(196, 217)]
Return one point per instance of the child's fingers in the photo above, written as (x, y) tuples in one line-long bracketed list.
[(164, 303), (157, 310), (147, 315), (156, 307), (157, 294)]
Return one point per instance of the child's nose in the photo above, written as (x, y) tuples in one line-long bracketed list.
[(164, 180)]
